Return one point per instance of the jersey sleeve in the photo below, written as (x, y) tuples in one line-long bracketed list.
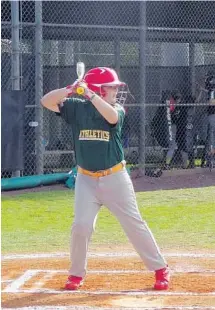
[(67, 110)]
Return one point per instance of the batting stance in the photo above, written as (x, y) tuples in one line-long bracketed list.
[(96, 119)]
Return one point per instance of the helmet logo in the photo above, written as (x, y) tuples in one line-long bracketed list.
[(102, 70)]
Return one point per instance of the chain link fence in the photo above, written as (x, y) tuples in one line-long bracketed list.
[(162, 50)]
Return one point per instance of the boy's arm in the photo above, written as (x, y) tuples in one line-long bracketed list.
[(52, 99)]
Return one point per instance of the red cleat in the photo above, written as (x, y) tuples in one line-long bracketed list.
[(162, 278), (73, 283)]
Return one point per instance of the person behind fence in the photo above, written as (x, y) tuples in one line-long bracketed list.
[(185, 136), (102, 179), (207, 95), (210, 86), (168, 127), (159, 126), (177, 129)]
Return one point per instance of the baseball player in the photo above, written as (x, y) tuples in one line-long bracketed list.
[(102, 179)]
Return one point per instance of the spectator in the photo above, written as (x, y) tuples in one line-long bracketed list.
[(160, 128), (210, 86), (169, 127), (176, 116), (186, 131), (207, 95)]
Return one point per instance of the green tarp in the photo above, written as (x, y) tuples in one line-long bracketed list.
[(38, 180)]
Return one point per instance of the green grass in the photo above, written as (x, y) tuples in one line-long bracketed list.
[(38, 222)]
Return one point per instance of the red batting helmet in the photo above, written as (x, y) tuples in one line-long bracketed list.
[(101, 76)]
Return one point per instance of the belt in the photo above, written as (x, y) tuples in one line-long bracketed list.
[(102, 173)]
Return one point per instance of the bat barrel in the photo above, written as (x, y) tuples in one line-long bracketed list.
[(80, 69)]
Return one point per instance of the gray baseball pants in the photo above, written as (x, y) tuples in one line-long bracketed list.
[(116, 192)]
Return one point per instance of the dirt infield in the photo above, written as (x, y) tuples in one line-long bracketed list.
[(175, 179), (112, 281)]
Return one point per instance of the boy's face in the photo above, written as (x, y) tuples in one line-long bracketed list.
[(110, 93)]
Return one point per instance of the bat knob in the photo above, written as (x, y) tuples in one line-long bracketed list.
[(80, 90)]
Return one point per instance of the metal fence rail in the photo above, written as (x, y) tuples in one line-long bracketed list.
[(159, 49)]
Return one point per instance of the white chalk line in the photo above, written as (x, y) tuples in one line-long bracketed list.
[(53, 271), (114, 308), (119, 254), (17, 283)]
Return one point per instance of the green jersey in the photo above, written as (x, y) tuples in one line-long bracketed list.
[(97, 143)]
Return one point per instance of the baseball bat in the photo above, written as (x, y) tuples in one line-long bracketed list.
[(80, 70)]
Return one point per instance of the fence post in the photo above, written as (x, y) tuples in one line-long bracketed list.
[(39, 148), (117, 54), (142, 142), (15, 61), (192, 67)]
